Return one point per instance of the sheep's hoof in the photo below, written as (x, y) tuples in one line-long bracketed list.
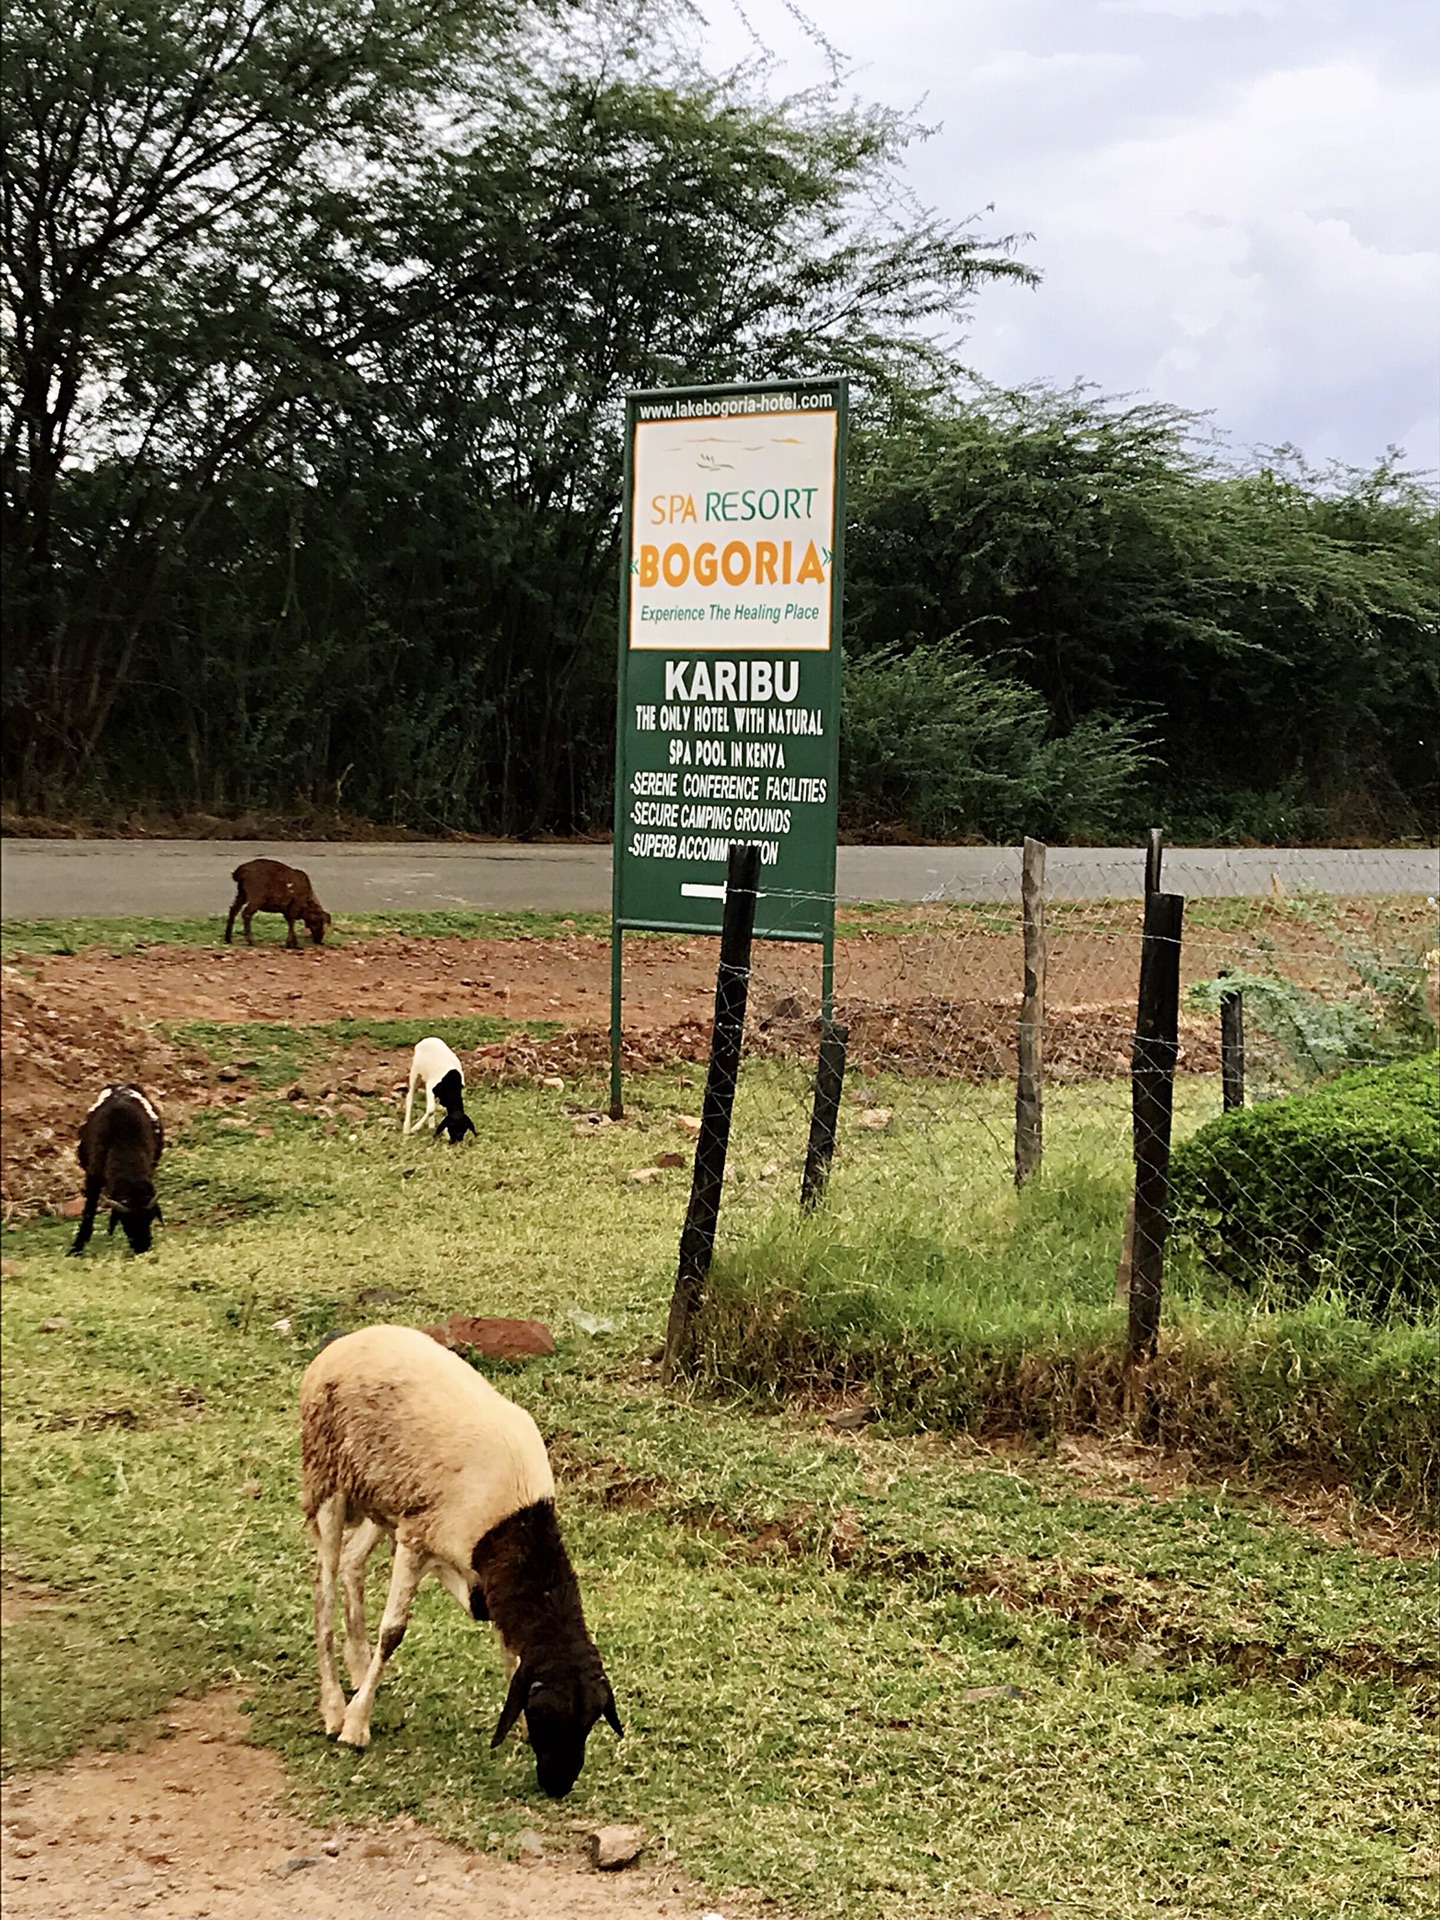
[(357, 1737)]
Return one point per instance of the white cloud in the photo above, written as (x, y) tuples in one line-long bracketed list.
[(1233, 202), (1215, 9), (1270, 264)]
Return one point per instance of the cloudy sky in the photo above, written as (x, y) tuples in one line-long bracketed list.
[(1235, 204)]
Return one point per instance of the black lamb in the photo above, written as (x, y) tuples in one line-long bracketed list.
[(121, 1139)]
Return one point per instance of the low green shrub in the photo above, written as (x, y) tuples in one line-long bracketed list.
[(1383, 1018), (1329, 1189), (936, 742)]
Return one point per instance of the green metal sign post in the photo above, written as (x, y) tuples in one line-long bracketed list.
[(728, 690)]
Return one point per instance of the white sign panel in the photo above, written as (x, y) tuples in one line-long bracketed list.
[(732, 518)]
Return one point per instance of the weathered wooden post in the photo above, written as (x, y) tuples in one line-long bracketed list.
[(824, 1113), (1232, 1048), (732, 988), (1154, 853), (617, 939), (1152, 1092), (1030, 1035), (1154, 849)]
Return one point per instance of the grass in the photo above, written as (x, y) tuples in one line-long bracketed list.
[(1264, 920), (529, 924), (31, 939), (1202, 1708), (928, 1284)]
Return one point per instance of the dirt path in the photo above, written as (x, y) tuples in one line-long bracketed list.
[(566, 980), (917, 999), (195, 1827)]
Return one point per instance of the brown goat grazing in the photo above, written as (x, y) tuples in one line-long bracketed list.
[(269, 886)]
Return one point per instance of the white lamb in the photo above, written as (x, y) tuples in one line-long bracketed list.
[(439, 1067), (403, 1438)]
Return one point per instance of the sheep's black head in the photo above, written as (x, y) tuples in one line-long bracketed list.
[(136, 1210), (560, 1705), (318, 922), (457, 1125)]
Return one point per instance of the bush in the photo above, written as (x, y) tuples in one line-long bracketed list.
[(1333, 1188), (1312, 1392), (1003, 1322), (1382, 1017), (936, 745)]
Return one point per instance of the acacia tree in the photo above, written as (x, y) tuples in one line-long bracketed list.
[(1276, 629), (606, 233), (176, 173), (407, 569)]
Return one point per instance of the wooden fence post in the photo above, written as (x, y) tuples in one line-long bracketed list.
[(824, 1113), (1152, 1092), (1030, 1036), (1154, 853), (732, 987), (1154, 849), (1232, 1048), (617, 941)]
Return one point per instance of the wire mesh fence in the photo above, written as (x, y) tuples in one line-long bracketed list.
[(1329, 965)]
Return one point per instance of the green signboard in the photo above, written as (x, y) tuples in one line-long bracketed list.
[(728, 713)]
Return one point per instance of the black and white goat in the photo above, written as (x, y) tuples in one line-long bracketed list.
[(121, 1138), (400, 1437), (439, 1067)]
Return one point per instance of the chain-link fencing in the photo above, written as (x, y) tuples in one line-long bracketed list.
[(1328, 963)]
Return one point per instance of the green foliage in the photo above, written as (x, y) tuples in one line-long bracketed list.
[(311, 461), (316, 461), (1004, 1317), (1333, 1189), (929, 1338), (365, 319), (1320, 1034), (933, 743), (177, 178), (1109, 558)]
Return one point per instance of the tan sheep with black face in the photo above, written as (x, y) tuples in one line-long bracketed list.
[(402, 1438)]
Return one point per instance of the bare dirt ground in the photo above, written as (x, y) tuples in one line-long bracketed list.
[(196, 1826), (915, 1003), (920, 997)]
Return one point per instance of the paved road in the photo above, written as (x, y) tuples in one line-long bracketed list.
[(61, 878)]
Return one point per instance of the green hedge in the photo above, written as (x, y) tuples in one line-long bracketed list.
[(1334, 1188)]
